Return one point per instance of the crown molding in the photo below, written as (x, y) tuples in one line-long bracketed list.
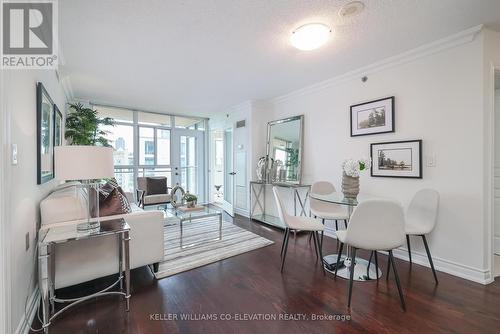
[(67, 88), (463, 37)]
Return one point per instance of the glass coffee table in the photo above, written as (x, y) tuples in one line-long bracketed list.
[(181, 216)]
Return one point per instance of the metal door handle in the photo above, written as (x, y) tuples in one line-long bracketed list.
[(233, 173)]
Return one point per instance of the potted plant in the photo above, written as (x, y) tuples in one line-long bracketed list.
[(190, 200), (350, 176), (83, 126)]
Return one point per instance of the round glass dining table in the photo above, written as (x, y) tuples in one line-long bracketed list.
[(363, 270)]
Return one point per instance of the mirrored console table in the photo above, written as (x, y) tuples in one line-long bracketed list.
[(258, 201)]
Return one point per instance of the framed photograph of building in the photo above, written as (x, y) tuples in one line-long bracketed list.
[(397, 159), (58, 126), (372, 117), (45, 135)]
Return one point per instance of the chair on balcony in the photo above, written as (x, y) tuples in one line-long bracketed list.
[(152, 191)]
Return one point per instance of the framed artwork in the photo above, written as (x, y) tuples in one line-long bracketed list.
[(397, 159), (58, 126), (45, 135), (372, 117)]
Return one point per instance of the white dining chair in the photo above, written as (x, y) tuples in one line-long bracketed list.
[(326, 211), (375, 225), (421, 219), (297, 223)]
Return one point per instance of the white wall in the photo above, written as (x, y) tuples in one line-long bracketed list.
[(439, 99), (24, 195), (496, 241)]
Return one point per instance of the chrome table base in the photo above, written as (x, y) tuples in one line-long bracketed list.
[(361, 272)]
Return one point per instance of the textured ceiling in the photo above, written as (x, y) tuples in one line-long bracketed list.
[(202, 56)]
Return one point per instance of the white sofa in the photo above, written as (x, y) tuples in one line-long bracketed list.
[(85, 260)]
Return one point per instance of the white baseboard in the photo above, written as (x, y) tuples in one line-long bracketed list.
[(443, 265), (496, 245), (24, 324), (242, 212)]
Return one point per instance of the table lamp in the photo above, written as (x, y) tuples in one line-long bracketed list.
[(87, 164)]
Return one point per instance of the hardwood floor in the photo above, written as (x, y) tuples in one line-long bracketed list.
[(251, 284)]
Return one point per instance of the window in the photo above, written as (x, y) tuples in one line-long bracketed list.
[(149, 147), (157, 171), (146, 118), (189, 123), (142, 146), (163, 146), (146, 146), (121, 137), (125, 178), (118, 114)]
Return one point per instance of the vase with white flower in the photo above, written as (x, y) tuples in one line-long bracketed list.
[(350, 175)]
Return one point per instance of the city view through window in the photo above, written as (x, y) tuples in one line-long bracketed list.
[(142, 145)]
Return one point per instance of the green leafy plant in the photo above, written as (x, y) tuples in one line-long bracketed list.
[(190, 197), (83, 126)]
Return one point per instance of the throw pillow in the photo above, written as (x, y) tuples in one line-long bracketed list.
[(114, 204), (156, 185)]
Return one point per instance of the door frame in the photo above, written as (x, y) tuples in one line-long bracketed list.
[(5, 222), (175, 136), (489, 184), (228, 206)]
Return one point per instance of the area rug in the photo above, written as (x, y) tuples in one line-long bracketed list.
[(200, 245)]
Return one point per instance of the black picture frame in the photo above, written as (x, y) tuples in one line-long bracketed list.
[(58, 126), (387, 128), (45, 134), (418, 156)]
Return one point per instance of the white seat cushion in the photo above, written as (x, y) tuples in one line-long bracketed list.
[(157, 199), (341, 235), (330, 214), (415, 228), (304, 223)]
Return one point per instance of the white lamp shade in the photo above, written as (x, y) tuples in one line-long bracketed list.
[(83, 162)]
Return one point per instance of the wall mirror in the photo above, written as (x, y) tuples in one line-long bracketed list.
[(284, 149)]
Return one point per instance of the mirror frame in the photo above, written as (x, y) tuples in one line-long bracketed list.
[(300, 118)]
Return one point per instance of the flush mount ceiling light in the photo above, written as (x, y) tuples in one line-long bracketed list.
[(351, 9), (310, 36)]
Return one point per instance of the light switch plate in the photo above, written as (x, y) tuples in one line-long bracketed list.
[(431, 160), (14, 154)]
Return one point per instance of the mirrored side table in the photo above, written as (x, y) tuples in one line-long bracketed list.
[(51, 237)]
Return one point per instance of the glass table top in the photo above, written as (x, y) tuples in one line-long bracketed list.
[(205, 211), (69, 232), (339, 198)]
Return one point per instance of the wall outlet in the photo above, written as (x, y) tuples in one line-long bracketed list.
[(27, 240)]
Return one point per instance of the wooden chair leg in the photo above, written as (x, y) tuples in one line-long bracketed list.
[(338, 259), (351, 276), (376, 264), (400, 291), (430, 258), (285, 249)]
